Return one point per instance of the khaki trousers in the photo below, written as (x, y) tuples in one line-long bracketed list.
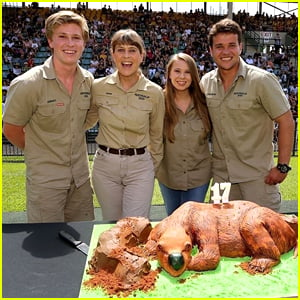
[(255, 191), (48, 205), (123, 184)]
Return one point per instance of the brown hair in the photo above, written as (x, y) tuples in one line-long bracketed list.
[(127, 37), (66, 17), (224, 26), (198, 98)]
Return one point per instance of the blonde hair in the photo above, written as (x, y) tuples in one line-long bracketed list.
[(66, 17)]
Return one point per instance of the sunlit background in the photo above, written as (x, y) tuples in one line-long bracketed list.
[(213, 8)]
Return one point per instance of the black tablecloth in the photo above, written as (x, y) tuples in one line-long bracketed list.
[(36, 262)]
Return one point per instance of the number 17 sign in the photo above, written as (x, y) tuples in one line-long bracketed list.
[(216, 197)]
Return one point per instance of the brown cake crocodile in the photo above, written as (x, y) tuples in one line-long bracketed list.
[(236, 229)]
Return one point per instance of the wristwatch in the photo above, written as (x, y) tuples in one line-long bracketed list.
[(283, 168)]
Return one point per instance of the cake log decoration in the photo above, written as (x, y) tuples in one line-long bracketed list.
[(118, 263), (116, 250)]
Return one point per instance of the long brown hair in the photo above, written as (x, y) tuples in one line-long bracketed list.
[(198, 98)]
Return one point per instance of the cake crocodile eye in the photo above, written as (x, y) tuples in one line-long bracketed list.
[(160, 247)]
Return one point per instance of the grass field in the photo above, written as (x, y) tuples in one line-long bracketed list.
[(13, 186)]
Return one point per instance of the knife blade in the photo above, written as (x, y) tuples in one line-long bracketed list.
[(84, 248)]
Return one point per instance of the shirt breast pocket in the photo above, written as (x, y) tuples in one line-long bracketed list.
[(140, 112), (213, 102), (84, 104), (198, 131), (51, 117), (47, 110), (239, 104), (108, 108)]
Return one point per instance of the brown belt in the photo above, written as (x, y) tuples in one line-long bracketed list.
[(128, 151)]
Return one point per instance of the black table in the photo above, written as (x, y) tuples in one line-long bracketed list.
[(37, 263)]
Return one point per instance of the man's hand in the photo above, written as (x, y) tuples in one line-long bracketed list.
[(275, 176)]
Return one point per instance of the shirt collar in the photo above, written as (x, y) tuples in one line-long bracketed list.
[(242, 69), (140, 85), (240, 73), (49, 72), (48, 69)]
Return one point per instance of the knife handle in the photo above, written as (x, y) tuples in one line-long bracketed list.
[(68, 237)]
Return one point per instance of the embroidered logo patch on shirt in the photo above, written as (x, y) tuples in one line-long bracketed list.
[(85, 94), (141, 96), (240, 94)]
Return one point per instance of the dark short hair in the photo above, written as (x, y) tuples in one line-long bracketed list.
[(225, 26)]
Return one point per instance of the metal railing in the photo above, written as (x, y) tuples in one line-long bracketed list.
[(10, 151)]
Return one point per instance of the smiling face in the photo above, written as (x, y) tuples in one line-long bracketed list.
[(127, 59), (180, 75), (67, 43), (226, 50)]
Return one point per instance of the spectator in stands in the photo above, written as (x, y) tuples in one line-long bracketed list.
[(10, 76), (277, 41), (17, 69), (44, 115), (157, 78), (92, 68), (4, 94), (243, 102), (185, 171), (130, 109), (249, 60)]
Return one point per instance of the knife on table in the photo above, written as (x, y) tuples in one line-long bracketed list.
[(84, 248)]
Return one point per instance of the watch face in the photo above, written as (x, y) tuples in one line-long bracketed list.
[(283, 168)]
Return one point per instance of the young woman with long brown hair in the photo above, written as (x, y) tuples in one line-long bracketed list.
[(185, 170)]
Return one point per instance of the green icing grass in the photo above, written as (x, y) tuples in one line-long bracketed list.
[(227, 281)]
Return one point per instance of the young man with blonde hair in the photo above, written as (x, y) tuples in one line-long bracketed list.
[(44, 115)]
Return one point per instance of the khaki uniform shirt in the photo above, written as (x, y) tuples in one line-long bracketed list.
[(187, 161), (128, 119), (55, 148), (242, 121)]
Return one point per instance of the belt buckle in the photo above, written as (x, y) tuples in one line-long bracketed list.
[(129, 151), (122, 151)]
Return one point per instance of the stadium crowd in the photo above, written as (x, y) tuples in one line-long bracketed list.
[(164, 34)]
